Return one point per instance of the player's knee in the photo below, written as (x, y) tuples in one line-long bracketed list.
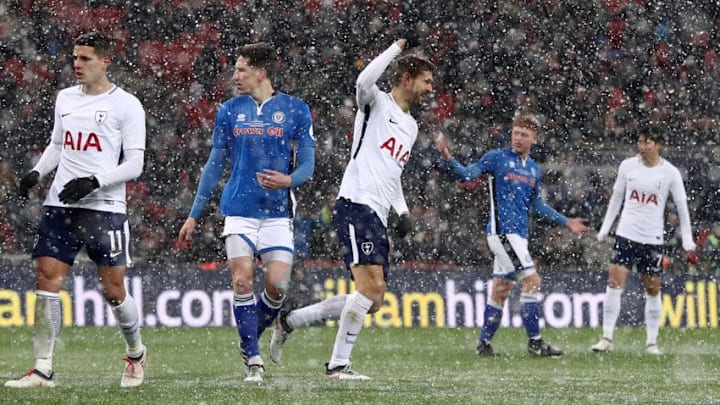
[(276, 292), (44, 283), (376, 293), (531, 287), (377, 288), (277, 283), (617, 276), (242, 284), (616, 283), (500, 290), (652, 290), (499, 297), (47, 279), (114, 295)]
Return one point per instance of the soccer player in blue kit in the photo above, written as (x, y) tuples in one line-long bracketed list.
[(514, 185), (258, 134), (383, 137)]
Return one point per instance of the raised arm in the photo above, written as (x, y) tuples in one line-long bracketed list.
[(374, 70)]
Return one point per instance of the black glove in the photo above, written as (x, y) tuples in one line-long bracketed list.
[(404, 226), (412, 40), (27, 182), (76, 189)]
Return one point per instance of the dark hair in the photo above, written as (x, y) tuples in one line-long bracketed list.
[(97, 40), (652, 133), (411, 64), (260, 55)]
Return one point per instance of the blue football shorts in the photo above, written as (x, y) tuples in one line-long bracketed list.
[(62, 232), (362, 235), (647, 259)]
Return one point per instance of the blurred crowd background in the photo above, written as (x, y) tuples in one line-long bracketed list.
[(592, 71)]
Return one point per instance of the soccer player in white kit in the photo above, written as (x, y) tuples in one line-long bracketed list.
[(642, 187), (383, 137), (97, 144)]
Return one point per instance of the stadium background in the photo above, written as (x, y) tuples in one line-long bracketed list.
[(591, 70)]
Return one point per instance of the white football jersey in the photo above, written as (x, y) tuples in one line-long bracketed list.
[(93, 131), (381, 146), (646, 192)]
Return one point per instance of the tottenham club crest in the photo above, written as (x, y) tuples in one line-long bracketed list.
[(278, 117), (367, 248), (100, 116)]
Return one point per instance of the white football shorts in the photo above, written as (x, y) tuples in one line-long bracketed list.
[(512, 258), (269, 238)]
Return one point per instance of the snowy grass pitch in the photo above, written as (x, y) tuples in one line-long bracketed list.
[(408, 366)]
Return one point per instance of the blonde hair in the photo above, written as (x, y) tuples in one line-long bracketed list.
[(525, 120)]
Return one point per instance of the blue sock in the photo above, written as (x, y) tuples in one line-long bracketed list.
[(493, 316), (246, 318), (530, 313), (267, 310)]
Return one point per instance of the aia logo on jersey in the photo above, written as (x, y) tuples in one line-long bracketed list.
[(82, 142), (396, 149), (643, 198)]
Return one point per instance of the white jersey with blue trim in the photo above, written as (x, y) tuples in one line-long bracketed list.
[(93, 131), (382, 141)]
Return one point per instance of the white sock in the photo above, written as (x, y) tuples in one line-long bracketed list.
[(653, 308), (48, 319), (351, 322), (255, 361), (127, 316), (328, 309), (611, 311)]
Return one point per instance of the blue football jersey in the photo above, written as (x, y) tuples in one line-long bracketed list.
[(259, 137), (514, 184)]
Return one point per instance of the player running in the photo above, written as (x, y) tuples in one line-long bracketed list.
[(383, 137)]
